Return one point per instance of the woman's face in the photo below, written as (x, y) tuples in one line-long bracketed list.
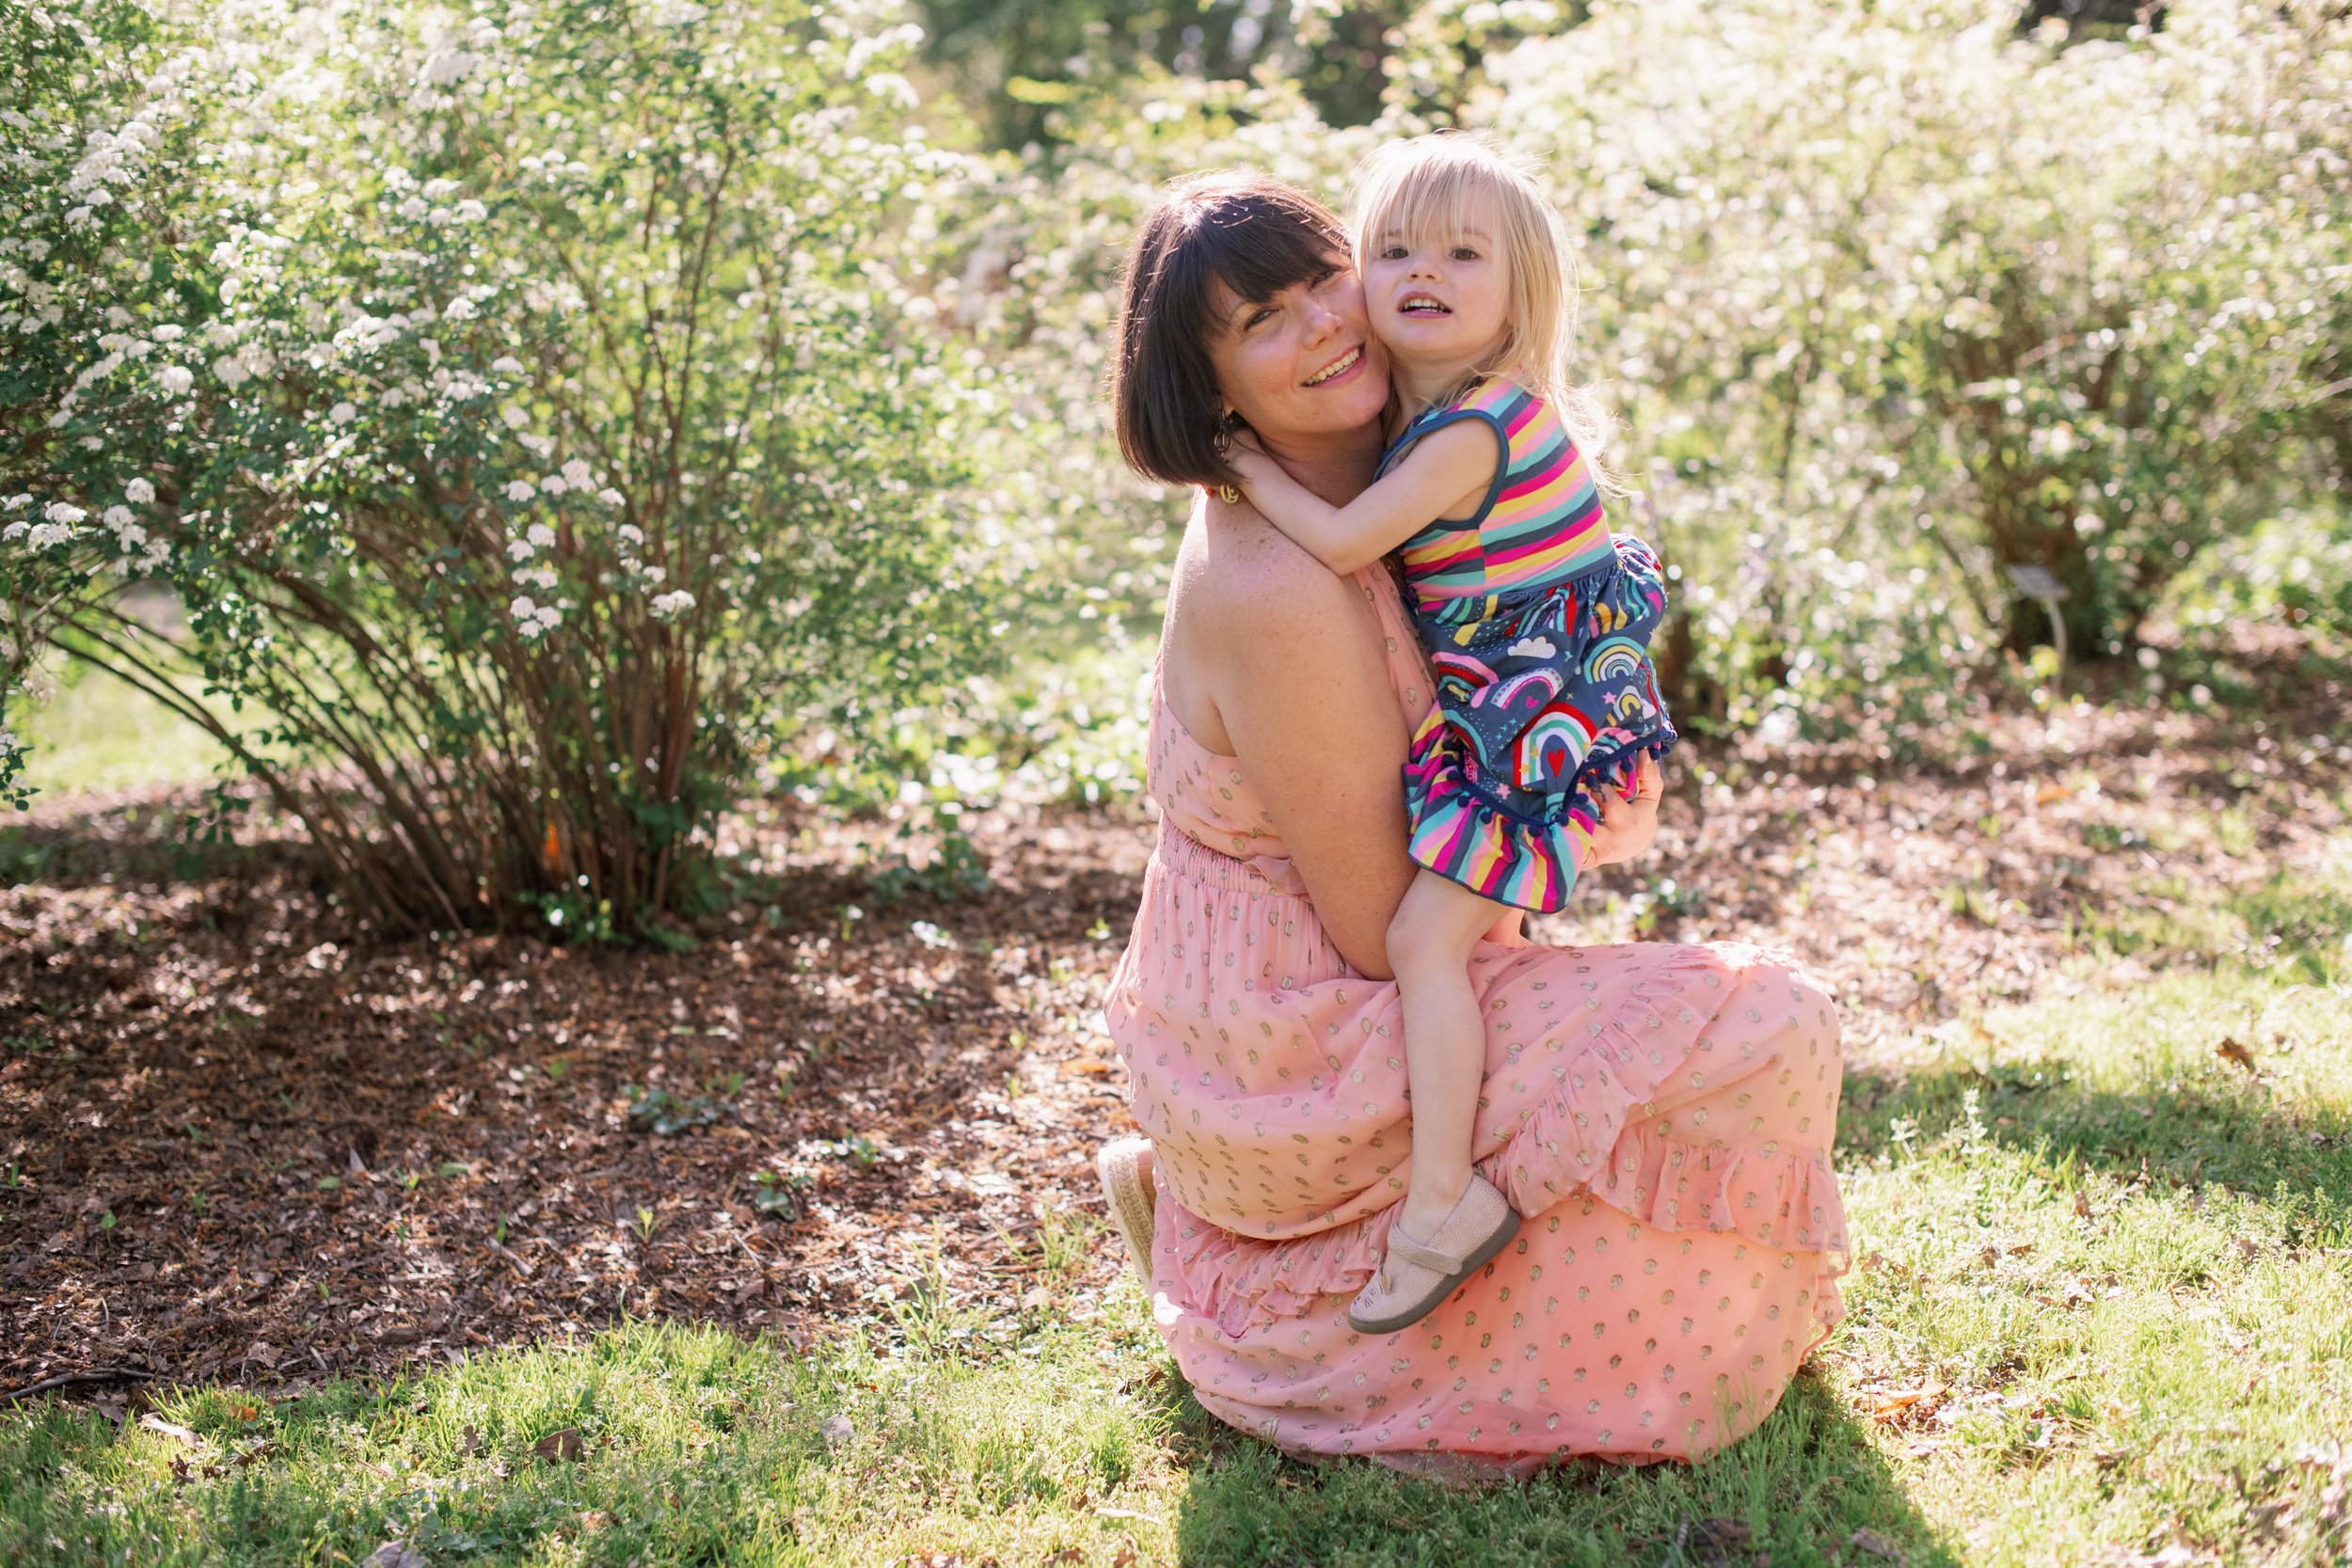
[(1303, 364)]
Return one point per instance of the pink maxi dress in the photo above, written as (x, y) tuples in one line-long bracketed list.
[(1662, 1114)]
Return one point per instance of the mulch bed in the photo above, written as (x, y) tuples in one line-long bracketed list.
[(326, 1155)]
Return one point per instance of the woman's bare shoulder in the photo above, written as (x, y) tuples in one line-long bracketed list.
[(1247, 608), (1235, 571)]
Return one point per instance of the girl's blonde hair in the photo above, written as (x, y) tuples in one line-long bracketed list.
[(1435, 185)]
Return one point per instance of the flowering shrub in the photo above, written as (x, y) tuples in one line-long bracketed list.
[(1889, 300), (526, 405), (1901, 302)]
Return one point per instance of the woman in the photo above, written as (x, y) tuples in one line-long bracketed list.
[(1662, 1114)]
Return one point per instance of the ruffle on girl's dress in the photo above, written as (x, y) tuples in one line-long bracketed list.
[(1463, 836)]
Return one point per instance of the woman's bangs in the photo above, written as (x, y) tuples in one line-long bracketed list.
[(1257, 253)]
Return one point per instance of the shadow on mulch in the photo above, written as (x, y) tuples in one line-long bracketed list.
[(244, 1143)]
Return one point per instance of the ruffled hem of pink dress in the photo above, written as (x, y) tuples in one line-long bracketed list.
[(1788, 1201)]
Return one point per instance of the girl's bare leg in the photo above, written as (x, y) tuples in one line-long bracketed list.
[(1430, 940)]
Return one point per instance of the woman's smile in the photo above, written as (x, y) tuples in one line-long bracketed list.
[(1341, 369)]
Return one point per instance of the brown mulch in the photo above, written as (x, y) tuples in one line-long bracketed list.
[(324, 1155)]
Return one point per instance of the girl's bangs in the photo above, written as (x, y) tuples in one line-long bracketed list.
[(1440, 201)]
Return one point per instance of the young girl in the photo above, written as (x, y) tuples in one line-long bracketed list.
[(1536, 622)]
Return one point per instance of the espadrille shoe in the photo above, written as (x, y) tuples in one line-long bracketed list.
[(1416, 1276), (1125, 1167)]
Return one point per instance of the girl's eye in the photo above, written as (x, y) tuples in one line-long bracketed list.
[(1465, 253), (1393, 253)]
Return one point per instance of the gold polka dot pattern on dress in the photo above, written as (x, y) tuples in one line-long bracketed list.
[(1670, 1149)]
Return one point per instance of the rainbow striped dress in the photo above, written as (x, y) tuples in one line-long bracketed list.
[(1537, 622)]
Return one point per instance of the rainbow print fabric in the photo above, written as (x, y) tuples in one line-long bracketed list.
[(1537, 623)]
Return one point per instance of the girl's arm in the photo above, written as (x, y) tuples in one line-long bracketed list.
[(1279, 663), (1448, 472)]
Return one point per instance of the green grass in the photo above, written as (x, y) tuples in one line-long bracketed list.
[(2121, 1260), (98, 735)]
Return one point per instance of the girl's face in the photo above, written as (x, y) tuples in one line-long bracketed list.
[(1440, 299), (1303, 364)]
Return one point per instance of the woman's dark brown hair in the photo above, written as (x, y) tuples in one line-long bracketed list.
[(1257, 236)]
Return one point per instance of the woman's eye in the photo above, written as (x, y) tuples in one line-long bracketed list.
[(1262, 314)]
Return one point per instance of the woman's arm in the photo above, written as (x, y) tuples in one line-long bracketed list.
[(1288, 657), (1277, 662), (1447, 471)]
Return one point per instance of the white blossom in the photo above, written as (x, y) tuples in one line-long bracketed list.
[(139, 491), (541, 535), (175, 379), (342, 413), (63, 511), (521, 490), (231, 370), (579, 475), (676, 602)]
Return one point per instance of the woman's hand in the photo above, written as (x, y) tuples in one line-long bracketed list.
[(1626, 827)]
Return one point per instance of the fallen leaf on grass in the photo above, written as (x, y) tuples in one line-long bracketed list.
[(1870, 1541), (2082, 1205), (395, 1554), (564, 1445), (153, 1423), (1718, 1539), (1893, 1406), (1127, 1556), (837, 1431), (1128, 1513), (1068, 1554), (2235, 1054)]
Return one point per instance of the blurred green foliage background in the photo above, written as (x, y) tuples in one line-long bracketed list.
[(1890, 300)]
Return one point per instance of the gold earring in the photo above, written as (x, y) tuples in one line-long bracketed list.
[(1223, 442)]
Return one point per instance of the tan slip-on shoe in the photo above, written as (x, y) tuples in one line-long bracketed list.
[(1125, 1167), (1416, 1276)]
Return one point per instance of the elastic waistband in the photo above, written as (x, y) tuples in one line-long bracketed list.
[(1180, 854)]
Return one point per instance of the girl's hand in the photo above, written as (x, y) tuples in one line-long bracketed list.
[(1252, 466), (1627, 826)]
